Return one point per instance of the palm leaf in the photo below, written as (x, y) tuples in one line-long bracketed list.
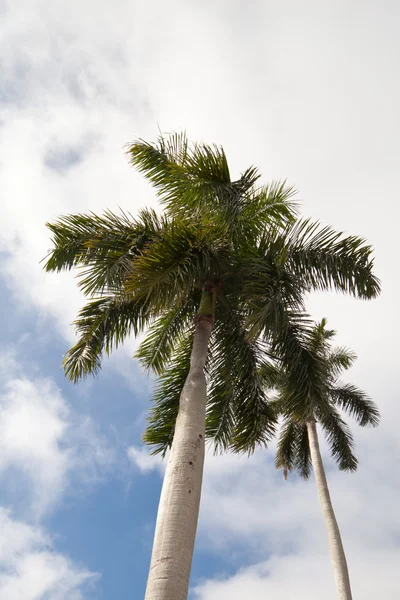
[(287, 446), (339, 438), (302, 462), (165, 400), (340, 359), (304, 370), (102, 325), (255, 419), (268, 205), (321, 258), (104, 247), (165, 334), (194, 179), (325, 259), (356, 403), (183, 258)]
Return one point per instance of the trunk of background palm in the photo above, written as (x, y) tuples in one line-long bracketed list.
[(178, 510), (338, 556)]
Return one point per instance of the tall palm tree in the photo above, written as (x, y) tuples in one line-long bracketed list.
[(185, 276), (298, 446)]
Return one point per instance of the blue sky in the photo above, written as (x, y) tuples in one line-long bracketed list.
[(105, 519), (306, 91)]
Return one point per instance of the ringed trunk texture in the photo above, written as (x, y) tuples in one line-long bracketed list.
[(338, 556), (178, 510)]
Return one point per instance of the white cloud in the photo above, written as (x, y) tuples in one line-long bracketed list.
[(303, 90), (33, 424), (46, 453), (305, 576), (143, 460), (30, 569), (71, 108), (43, 444)]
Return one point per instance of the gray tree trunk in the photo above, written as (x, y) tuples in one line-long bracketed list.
[(338, 556), (180, 497)]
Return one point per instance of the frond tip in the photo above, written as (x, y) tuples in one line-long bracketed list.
[(102, 325)]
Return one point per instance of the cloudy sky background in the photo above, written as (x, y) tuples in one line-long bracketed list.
[(307, 91)]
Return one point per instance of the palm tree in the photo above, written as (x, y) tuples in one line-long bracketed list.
[(298, 446), (185, 276)]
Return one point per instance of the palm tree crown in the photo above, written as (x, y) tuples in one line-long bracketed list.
[(329, 396), (149, 271)]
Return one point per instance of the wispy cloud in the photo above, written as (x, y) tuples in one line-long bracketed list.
[(46, 453), (43, 445), (144, 460), (30, 568)]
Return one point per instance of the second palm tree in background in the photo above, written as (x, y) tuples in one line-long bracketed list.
[(298, 446)]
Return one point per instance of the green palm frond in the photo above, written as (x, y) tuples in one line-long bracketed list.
[(323, 259), (221, 391), (271, 375), (165, 401), (195, 178), (74, 235), (321, 336), (268, 205), (340, 359), (272, 295), (304, 370), (237, 404), (339, 438), (302, 462), (183, 175), (102, 325), (183, 258), (356, 403), (255, 420), (103, 247), (308, 389), (287, 446), (165, 333)]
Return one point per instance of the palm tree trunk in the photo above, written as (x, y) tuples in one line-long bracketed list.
[(180, 497), (338, 556)]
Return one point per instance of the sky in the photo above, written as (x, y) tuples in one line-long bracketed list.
[(305, 90)]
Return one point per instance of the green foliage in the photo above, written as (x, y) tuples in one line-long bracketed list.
[(187, 177), (181, 260), (160, 431), (156, 351), (102, 247), (339, 438), (194, 180), (237, 408), (309, 389), (150, 269), (303, 456), (300, 257), (287, 446), (242, 240), (102, 325), (356, 403), (239, 413), (325, 259)]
